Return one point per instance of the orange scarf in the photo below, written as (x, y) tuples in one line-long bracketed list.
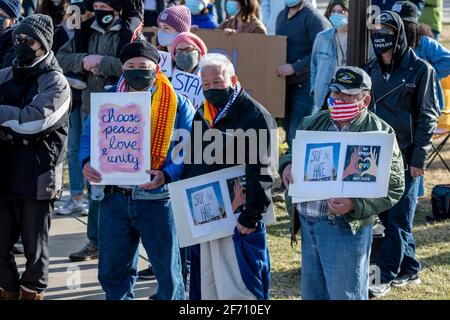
[(209, 112), (163, 114)]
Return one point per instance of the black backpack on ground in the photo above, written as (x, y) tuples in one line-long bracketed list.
[(440, 202)]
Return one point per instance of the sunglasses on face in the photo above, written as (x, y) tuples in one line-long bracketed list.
[(382, 31), (29, 41)]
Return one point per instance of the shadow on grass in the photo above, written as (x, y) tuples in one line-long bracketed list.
[(285, 284)]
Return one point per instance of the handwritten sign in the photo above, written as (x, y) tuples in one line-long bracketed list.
[(320, 164), (188, 85), (166, 63), (120, 133)]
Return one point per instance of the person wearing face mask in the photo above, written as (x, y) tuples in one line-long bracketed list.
[(337, 233), (329, 50), (202, 12), (404, 96), (243, 17), (150, 207), (187, 51), (91, 60), (34, 112), (301, 23), (171, 22), (228, 107), (9, 13)]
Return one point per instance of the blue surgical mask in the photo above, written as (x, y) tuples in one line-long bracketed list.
[(292, 3), (165, 39), (233, 8), (338, 20), (195, 6)]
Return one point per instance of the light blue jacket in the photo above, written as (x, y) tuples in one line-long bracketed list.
[(323, 65), (439, 57), (183, 120)]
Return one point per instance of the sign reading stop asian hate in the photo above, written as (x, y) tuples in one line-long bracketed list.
[(188, 85)]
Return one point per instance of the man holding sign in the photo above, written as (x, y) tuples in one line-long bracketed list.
[(337, 233), (131, 213)]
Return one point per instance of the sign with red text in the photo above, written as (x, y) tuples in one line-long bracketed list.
[(188, 85), (120, 137)]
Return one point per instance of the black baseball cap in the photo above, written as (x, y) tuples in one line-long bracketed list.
[(351, 81), (407, 10)]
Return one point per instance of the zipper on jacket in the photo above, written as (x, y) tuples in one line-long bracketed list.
[(411, 129), (387, 94)]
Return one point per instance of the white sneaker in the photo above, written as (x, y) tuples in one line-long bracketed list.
[(70, 207)]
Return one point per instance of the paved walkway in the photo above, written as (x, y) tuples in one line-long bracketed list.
[(69, 280)]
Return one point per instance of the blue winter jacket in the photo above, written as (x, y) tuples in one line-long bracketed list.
[(439, 57)]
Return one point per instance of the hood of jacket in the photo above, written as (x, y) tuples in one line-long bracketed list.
[(401, 44)]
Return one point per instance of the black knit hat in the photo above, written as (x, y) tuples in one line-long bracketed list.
[(407, 10), (140, 48), (38, 26), (115, 4), (11, 7)]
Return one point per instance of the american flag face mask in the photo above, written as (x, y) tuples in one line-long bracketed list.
[(341, 111)]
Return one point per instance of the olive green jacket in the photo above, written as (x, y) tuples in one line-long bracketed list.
[(365, 210)]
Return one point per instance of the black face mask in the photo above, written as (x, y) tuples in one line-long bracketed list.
[(104, 18), (382, 43), (2, 23), (140, 79), (218, 97), (25, 55)]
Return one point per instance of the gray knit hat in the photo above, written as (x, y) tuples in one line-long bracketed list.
[(38, 26)]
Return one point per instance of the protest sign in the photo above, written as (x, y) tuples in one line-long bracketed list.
[(337, 164), (120, 137), (207, 207), (166, 63), (255, 58), (188, 85)]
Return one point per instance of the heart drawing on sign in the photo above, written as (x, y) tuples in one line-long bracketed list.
[(363, 165)]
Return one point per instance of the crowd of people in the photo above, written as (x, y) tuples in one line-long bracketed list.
[(52, 57)]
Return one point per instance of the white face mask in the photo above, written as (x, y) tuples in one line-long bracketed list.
[(57, 2)]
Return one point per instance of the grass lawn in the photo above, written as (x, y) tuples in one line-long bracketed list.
[(433, 245)]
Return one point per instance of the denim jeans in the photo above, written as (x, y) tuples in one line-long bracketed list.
[(299, 104), (396, 255), (122, 223), (76, 178), (92, 224), (335, 263)]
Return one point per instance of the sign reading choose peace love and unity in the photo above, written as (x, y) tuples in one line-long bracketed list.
[(120, 137), (255, 58), (340, 164)]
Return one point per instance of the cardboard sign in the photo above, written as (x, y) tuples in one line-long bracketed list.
[(188, 85), (255, 58), (166, 63), (120, 133), (207, 207), (340, 165)]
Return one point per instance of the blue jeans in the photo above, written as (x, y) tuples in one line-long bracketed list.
[(396, 255), (76, 178), (123, 222), (92, 224), (335, 263), (299, 104)]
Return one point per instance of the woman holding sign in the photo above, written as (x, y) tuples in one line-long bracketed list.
[(129, 214)]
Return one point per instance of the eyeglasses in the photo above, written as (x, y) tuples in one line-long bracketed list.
[(29, 41), (185, 50)]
